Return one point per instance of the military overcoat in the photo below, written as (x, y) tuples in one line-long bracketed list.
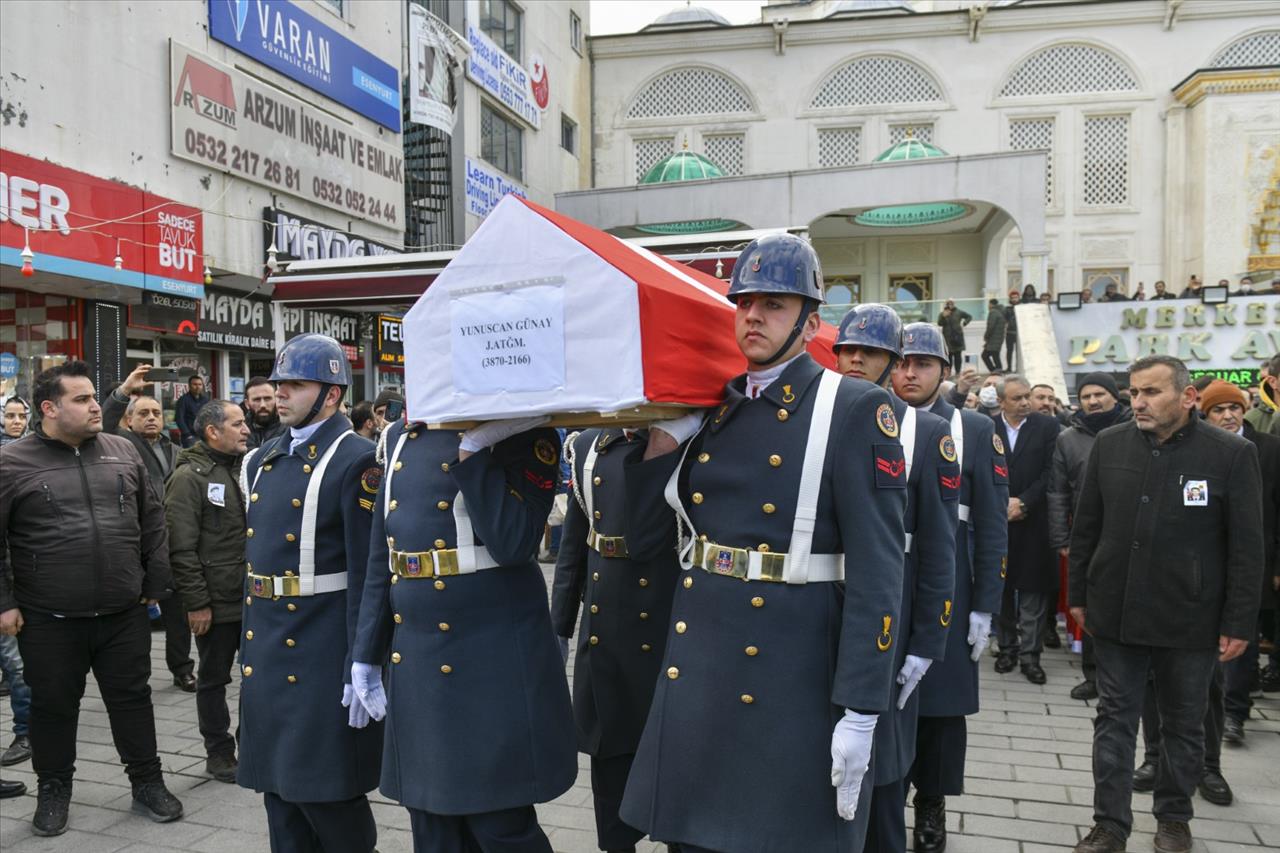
[(626, 602), (928, 580), (950, 687), (736, 753), (478, 714), (294, 650)]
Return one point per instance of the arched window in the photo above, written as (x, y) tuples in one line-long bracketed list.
[(1069, 69), (1261, 48), (874, 80), (690, 92)]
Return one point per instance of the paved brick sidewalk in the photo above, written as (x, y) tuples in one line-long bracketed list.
[(1029, 784)]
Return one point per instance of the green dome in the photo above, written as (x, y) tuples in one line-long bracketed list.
[(682, 166), (911, 149)]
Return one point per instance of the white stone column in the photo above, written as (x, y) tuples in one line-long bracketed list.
[(1035, 269), (1176, 200)]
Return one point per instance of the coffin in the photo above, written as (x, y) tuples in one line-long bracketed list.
[(541, 315)]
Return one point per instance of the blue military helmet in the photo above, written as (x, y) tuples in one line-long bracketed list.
[(312, 358), (778, 263), (924, 339), (871, 325)]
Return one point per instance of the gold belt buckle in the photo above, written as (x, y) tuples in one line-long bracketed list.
[(723, 560), (446, 562), (261, 586), (291, 586), (771, 566), (609, 546), (411, 564)]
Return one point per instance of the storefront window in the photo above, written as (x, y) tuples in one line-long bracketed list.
[(186, 357), (37, 331)]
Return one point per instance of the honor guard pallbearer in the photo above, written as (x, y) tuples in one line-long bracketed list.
[(780, 653), (310, 494), (479, 725), (949, 691), (868, 347), (626, 609)]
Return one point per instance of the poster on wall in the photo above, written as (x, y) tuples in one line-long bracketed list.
[(284, 37), (486, 186), (226, 119), (434, 68), (526, 93), (78, 224)]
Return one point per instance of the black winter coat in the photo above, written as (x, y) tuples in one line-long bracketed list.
[(1167, 545), (1033, 565), (1070, 455)]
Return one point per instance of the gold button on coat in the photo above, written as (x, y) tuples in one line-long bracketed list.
[(747, 698), (293, 679), (595, 608), (763, 547), (644, 581), (395, 579), (769, 509), (757, 602), (266, 467), (292, 607), (438, 584), (253, 498), (681, 627), (595, 576), (398, 465), (751, 651), (306, 469), (645, 647), (775, 460), (249, 533), (290, 642), (594, 640), (391, 541), (247, 601), (697, 497), (440, 543), (688, 582), (704, 457), (444, 626), (413, 434), (673, 673), (783, 414), (296, 502), (446, 669), (644, 614), (248, 671), (395, 657), (394, 503), (248, 635), (597, 514), (398, 618), (442, 505), (596, 481), (289, 537), (444, 466)]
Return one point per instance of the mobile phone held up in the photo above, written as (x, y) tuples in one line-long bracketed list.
[(162, 374)]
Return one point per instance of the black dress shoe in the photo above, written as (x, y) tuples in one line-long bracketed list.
[(1005, 663), (1215, 789), (1100, 840), (185, 682), (1052, 640), (1085, 691), (18, 751), (153, 800), (53, 797), (1144, 778), (222, 767), (1232, 732), (930, 833), (11, 788), (1271, 679), (1034, 673)]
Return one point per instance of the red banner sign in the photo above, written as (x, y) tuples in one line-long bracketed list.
[(77, 224)]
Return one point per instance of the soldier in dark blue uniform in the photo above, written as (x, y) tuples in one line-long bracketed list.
[(869, 345), (949, 691), (627, 611), (310, 500), (479, 725), (780, 654)]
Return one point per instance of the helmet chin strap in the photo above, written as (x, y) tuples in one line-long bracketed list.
[(317, 405), (883, 381), (796, 330)]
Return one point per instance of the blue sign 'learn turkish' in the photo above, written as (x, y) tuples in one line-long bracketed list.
[(283, 37)]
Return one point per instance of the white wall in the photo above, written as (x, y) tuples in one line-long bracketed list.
[(92, 80)]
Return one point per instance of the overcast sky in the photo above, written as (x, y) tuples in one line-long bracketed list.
[(628, 16)]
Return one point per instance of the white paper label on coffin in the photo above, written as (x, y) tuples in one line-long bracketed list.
[(600, 325), (509, 337)]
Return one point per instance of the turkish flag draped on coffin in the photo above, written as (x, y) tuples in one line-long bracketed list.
[(540, 314)]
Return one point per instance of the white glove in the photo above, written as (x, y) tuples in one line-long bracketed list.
[(564, 649), (357, 714), (489, 434), (682, 428), (366, 679), (850, 757), (979, 633), (913, 669)]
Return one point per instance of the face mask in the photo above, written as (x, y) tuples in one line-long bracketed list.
[(988, 397)]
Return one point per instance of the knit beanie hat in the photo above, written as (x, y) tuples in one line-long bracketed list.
[(1102, 380), (1219, 392)]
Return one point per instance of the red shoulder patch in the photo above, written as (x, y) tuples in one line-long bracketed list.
[(890, 466)]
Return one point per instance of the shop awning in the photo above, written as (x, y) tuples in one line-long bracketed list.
[(367, 282)]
